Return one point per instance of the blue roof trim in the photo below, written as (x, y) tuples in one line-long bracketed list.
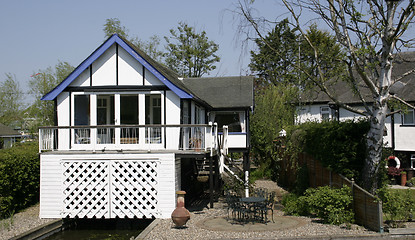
[(97, 53)]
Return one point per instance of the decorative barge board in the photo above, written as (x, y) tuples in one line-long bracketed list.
[(108, 185)]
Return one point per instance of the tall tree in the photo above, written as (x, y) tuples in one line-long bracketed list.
[(189, 53), (273, 112), (41, 83), (11, 101), (274, 68), (113, 25), (150, 47), (371, 32)]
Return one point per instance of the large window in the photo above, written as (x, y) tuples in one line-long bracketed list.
[(81, 118), (408, 117), (105, 116), (233, 120), (129, 109), (153, 116), (81, 110)]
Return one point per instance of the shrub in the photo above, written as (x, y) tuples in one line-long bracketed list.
[(397, 204), (332, 205), (19, 181)]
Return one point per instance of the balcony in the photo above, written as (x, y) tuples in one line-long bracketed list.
[(184, 137)]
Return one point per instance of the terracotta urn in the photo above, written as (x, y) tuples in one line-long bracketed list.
[(180, 215)]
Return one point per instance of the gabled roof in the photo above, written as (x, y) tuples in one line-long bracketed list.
[(223, 92), (405, 88), (166, 76)]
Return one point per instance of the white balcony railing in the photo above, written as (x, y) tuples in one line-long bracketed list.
[(129, 137)]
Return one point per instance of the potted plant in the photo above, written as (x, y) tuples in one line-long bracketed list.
[(393, 172)]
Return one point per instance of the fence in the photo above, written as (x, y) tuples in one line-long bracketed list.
[(367, 208)]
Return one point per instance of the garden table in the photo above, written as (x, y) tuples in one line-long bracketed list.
[(254, 205)]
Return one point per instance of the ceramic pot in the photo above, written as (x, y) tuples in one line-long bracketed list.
[(180, 215)]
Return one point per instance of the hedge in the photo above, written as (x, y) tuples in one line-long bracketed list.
[(19, 178)]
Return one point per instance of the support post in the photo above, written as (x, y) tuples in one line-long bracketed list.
[(211, 181), (246, 167)]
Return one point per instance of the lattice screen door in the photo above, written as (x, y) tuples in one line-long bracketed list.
[(110, 188)]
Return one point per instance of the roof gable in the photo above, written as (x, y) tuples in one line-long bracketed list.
[(140, 57)]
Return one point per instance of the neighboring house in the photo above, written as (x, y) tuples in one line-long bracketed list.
[(400, 127), (8, 136), (129, 133)]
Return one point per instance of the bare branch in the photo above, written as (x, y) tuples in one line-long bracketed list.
[(403, 101)]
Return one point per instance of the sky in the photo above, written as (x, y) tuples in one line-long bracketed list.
[(36, 35)]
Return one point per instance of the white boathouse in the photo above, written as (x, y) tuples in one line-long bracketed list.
[(129, 133)]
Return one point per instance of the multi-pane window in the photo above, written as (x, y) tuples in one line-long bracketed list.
[(408, 117), (325, 113)]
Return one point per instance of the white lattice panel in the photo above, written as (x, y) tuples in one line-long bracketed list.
[(86, 189), (133, 189), (110, 188)]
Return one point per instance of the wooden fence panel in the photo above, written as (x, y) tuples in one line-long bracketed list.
[(367, 209)]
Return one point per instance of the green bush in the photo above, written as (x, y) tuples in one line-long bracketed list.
[(19, 178), (332, 205), (295, 205), (339, 146), (397, 204)]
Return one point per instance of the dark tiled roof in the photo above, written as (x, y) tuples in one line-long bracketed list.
[(6, 131), (223, 92), (405, 88)]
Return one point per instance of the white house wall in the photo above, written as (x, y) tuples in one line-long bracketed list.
[(130, 72), (63, 103), (104, 68), (52, 186), (173, 118), (404, 135)]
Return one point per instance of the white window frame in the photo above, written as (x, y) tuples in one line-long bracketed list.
[(409, 112), (323, 111)]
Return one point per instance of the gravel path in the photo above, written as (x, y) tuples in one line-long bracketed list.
[(29, 219), (196, 230), (21, 222)]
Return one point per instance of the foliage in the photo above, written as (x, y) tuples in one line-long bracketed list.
[(393, 171), (302, 182), (295, 205), (189, 53), (273, 67), (19, 181), (339, 146), (41, 83), (411, 182), (371, 33), (150, 47), (113, 25), (11, 101), (332, 205), (397, 204), (273, 112), (284, 56)]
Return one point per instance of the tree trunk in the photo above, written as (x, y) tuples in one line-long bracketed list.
[(374, 141)]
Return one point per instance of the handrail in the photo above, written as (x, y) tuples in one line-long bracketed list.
[(128, 137)]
